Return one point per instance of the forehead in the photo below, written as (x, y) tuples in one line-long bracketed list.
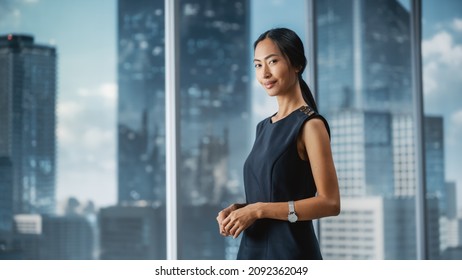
[(265, 48)]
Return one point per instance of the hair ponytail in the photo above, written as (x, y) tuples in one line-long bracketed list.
[(307, 95)]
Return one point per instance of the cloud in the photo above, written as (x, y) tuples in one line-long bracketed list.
[(87, 125), (87, 143), (457, 24), (442, 48), (94, 138), (442, 59), (429, 73)]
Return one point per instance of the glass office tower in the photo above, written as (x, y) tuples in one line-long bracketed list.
[(215, 121), (141, 133), (141, 99), (28, 123), (364, 77), (214, 115)]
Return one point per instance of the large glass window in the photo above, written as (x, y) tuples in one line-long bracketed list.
[(364, 90), (83, 127), (442, 61)]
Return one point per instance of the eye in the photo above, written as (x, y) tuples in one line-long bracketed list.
[(257, 66), (273, 61)]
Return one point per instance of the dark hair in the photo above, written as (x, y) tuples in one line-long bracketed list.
[(291, 46)]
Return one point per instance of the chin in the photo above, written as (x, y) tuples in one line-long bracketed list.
[(271, 93)]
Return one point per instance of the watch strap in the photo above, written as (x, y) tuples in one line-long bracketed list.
[(291, 206)]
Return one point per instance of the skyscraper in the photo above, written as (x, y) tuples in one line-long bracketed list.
[(28, 121), (141, 101), (6, 199), (66, 238), (365, 92), (132, 233), (364, 46), (215, 116), (214, 110), (434, 159)]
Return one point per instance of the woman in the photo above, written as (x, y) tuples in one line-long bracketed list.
[(289, 175)]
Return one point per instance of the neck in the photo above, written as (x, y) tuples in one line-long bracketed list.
[(288, 103)]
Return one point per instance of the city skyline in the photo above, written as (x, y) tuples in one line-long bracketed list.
[(81, 97), (368, 106)]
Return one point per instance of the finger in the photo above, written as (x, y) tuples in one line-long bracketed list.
[(233, 229), (238, 232), (228, 225), (223, 231), (225, 222)]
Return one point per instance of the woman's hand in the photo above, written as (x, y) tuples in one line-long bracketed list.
[(223, 214), (240, 219)]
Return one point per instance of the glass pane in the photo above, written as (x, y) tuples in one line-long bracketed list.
[(220, 106), (364, 90), (442, 65), (136, 227), (58, 103), (214, 110)]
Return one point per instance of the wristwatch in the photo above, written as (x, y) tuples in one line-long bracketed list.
[(292, 215)]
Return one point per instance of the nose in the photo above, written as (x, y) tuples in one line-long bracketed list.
[(265, 72)]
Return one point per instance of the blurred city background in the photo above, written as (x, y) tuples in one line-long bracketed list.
[(82, 124)]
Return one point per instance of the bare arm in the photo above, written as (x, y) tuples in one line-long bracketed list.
[(315, 142)]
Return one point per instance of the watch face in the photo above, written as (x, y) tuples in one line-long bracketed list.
[(292, 218)]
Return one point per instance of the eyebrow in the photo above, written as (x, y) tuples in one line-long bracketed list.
[(266, 57)]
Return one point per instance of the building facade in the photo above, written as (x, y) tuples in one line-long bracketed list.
[(364, 77), (28, 121), (132, 233), (214, 110)]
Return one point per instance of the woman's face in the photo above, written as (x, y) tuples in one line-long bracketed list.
[(273, 70)]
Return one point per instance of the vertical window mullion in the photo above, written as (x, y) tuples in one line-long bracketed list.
[(416, 60), (171, 123)]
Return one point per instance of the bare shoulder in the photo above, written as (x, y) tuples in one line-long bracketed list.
[(314, 127), (313, 137)]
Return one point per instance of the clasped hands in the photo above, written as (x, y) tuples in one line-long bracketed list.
[(235, 218)]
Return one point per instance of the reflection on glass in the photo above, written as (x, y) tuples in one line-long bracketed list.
[(214, 122), (442, 103), (365, 93), (135, 228)]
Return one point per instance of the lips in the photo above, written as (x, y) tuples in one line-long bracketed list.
[(269, 84)]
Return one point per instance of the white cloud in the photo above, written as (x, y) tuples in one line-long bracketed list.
[(106, 93), (429, 77), (87, 124), (457, 24), (87, 143), (95, 138), (69, 109), (442, 48), (440, 55), (109, 92)]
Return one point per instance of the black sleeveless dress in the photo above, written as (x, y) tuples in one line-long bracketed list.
[(274, 172)]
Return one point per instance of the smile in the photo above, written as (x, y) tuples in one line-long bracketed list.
[(269, 85)]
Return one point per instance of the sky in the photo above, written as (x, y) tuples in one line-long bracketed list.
[(84, 33)]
